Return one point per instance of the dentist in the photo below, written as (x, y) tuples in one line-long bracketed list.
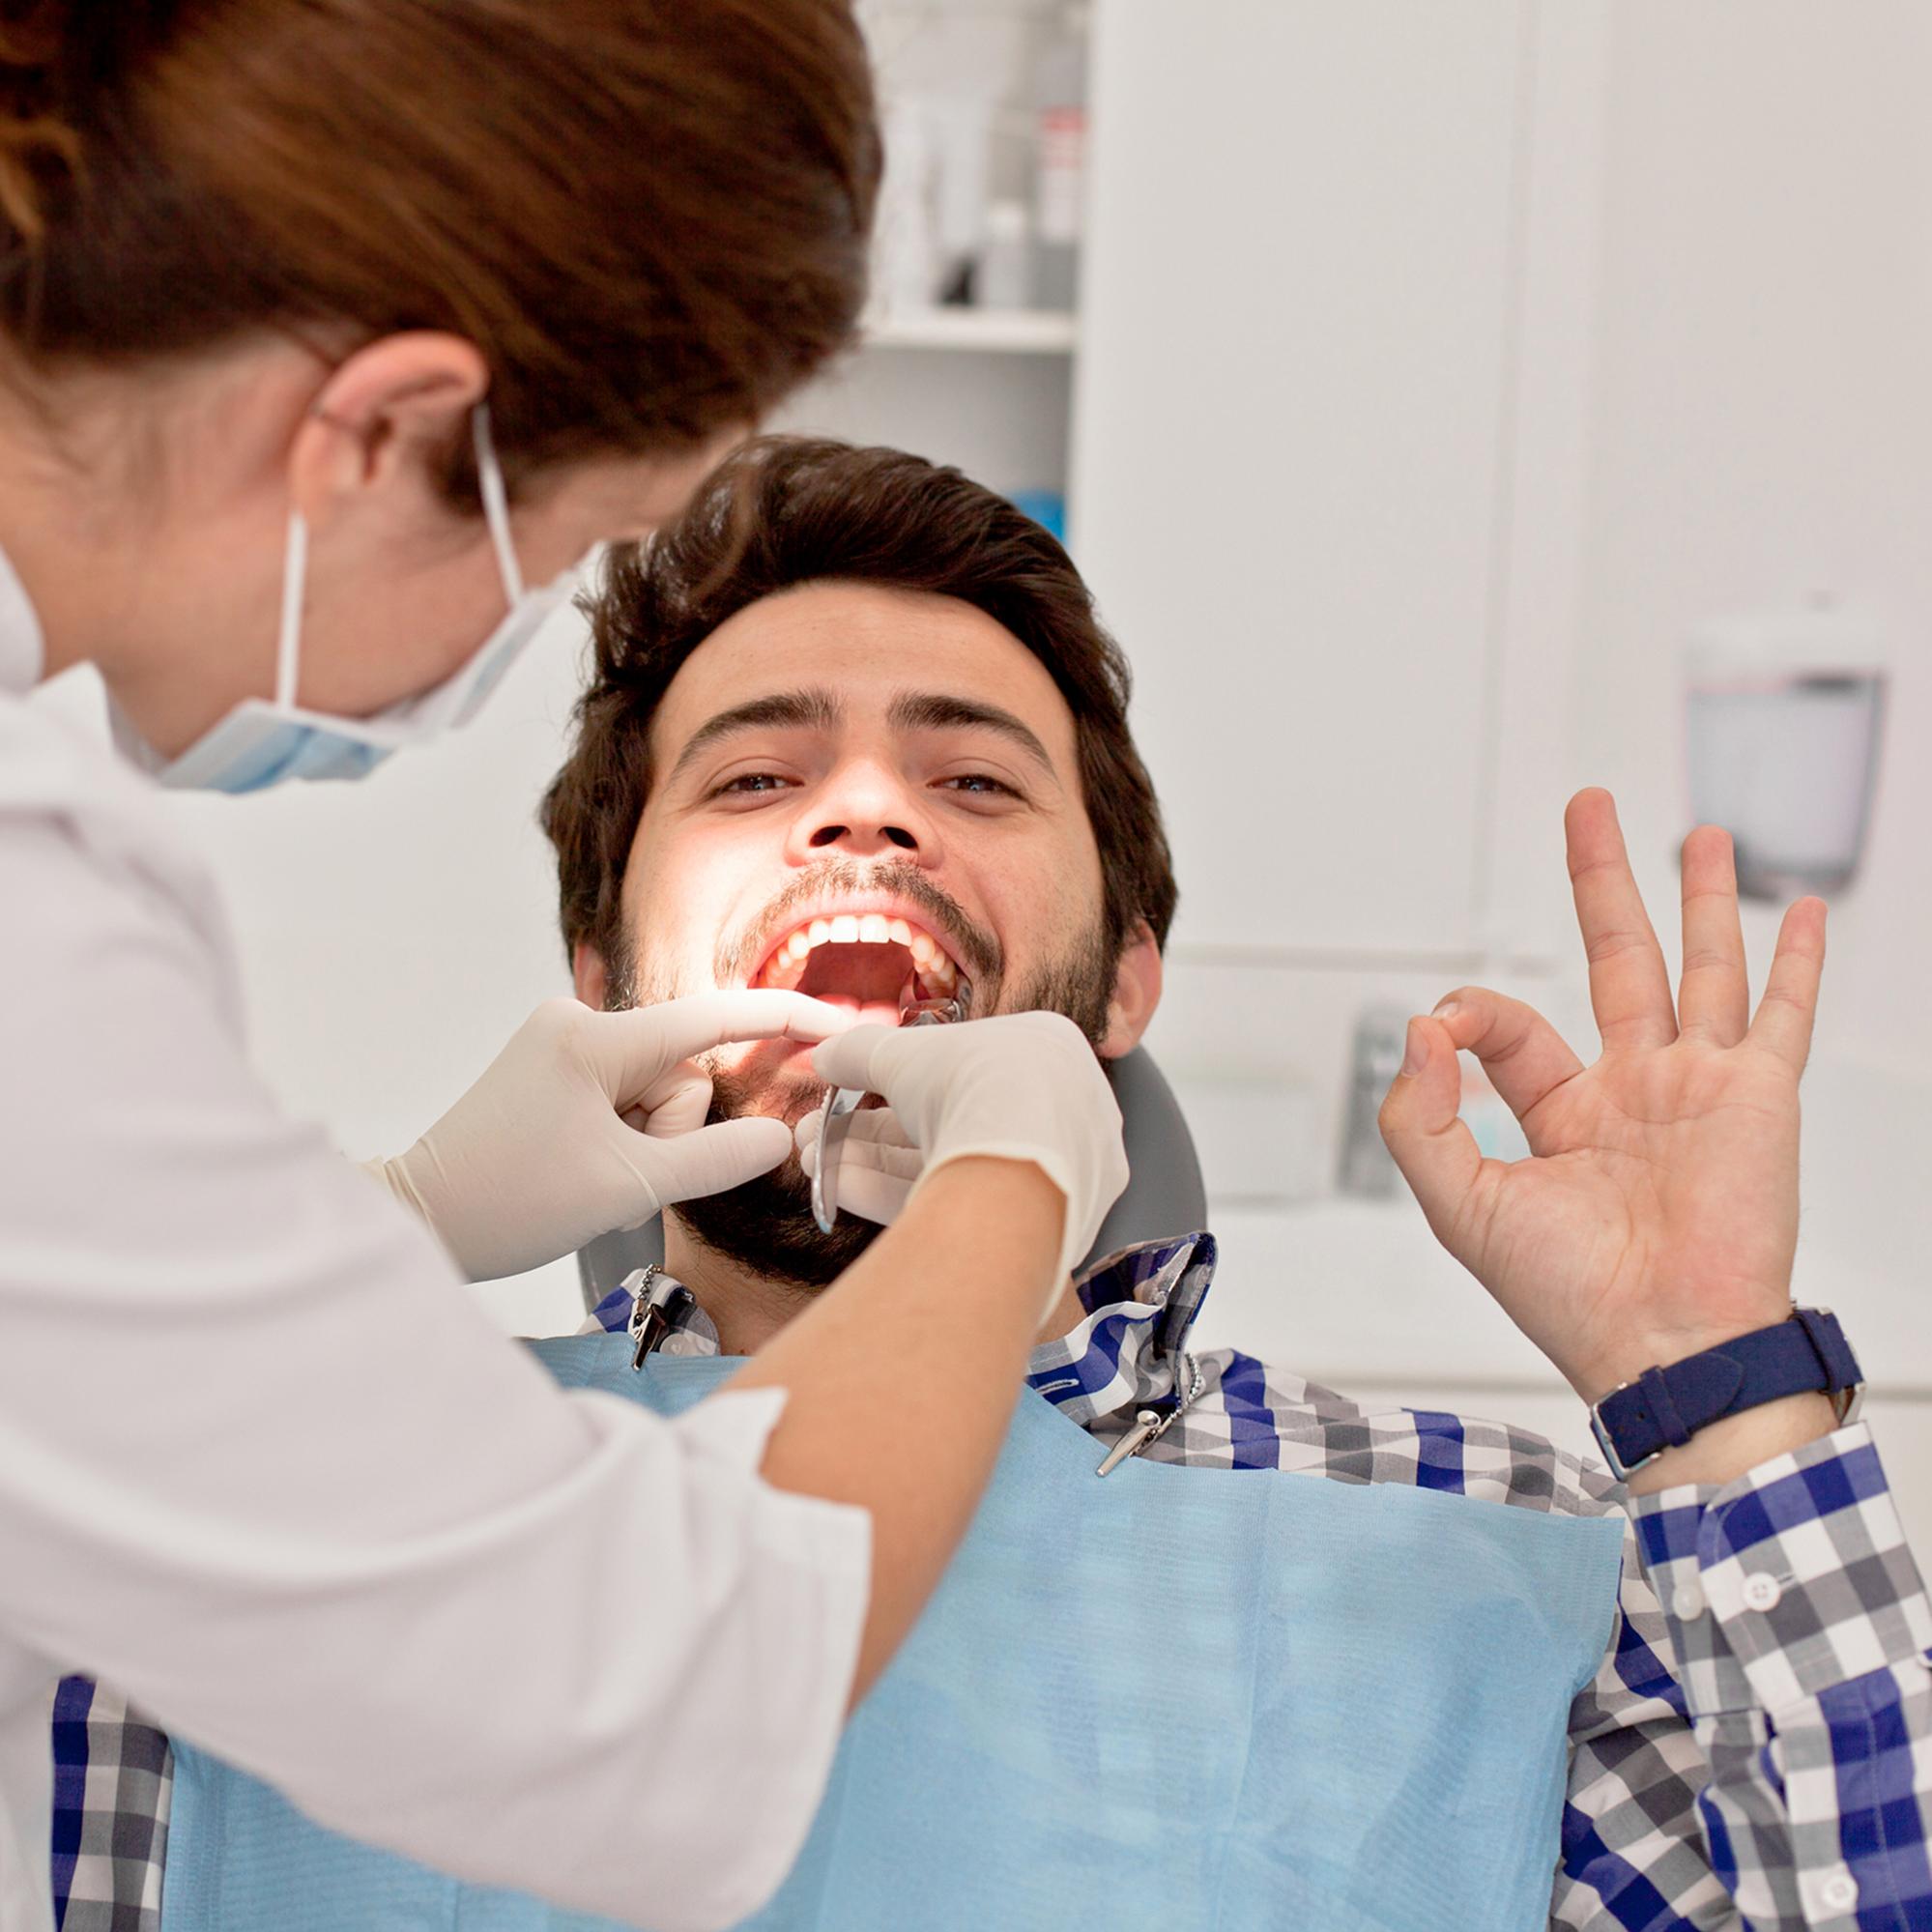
[(330, 335)]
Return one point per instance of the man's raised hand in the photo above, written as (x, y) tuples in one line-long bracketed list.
[(1658, 1214)]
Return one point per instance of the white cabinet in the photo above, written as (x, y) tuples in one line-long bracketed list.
[(1319, 300), (985, 389)]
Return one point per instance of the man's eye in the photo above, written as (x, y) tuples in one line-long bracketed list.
[(749, 783), (980, 784)]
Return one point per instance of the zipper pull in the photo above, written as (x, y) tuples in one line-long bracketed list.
[(1137, 1439)]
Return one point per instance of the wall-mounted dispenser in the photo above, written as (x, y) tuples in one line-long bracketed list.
[(1784, 714), (1367, 1168)]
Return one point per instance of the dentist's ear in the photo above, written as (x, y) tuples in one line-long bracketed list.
[(588, 974), (1137, 991), (381, 422)]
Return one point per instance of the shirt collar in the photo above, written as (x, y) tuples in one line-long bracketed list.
[(22, 652), (1141, 1303)]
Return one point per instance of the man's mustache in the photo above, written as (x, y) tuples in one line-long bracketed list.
[(972, 944)]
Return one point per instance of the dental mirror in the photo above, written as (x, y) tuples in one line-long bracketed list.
[(836, 1111)]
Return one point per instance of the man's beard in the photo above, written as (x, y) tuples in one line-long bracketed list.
[(766, 1224)]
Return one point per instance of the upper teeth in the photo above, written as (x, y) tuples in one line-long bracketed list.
[(872, 929)]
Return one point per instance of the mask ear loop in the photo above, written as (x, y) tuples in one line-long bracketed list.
[(295, 557), (288, 644), (495, 502)]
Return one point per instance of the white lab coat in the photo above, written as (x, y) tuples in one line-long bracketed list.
[(266, 1470)]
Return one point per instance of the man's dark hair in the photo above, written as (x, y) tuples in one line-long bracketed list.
[(790, 511)]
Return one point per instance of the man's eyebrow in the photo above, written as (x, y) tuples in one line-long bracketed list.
[(795, 710), (941, 710)]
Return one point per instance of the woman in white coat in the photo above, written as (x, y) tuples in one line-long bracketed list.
[(324, 331)]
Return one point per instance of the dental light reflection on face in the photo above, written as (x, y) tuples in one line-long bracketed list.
[(902, 813)]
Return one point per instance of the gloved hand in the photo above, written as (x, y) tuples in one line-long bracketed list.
[(590, 1121), (877, 1163), (1021, 1086)]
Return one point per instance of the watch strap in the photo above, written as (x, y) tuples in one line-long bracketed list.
[(1664, 1407)]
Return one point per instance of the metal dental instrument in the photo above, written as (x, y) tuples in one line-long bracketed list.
[(842, 1103)]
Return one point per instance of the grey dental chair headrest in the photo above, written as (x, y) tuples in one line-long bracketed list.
[(1165, 1194)]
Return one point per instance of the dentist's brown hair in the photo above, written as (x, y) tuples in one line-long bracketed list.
[(651, 216)]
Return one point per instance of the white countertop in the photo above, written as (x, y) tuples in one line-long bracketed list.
[(1357, 1293)]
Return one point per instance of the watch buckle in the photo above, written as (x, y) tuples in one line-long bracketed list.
[(1622, 1471), (1850, 1403)]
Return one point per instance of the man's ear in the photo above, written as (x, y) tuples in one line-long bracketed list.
[(1137, 991), (588, 973)]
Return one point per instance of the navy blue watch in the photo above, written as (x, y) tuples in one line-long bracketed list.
[(1663, 1408)]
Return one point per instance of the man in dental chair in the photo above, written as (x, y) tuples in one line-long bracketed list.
[(854, 730)]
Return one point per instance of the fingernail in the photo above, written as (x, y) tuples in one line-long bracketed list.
[(1418, 1050), (1444, 1007)]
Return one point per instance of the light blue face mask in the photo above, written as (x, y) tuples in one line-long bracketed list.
[(262, 741)]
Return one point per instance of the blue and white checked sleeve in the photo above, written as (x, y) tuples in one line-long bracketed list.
[(1758, 1751), (113, 1780)]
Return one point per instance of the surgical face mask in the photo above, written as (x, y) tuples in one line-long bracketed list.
[(261, 742)]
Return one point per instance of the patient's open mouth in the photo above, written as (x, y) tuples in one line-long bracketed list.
[(879, 963)]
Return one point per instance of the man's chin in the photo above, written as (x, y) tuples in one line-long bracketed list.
[(766, 1226)]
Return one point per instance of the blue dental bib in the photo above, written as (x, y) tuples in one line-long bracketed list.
[(1172, 1699)]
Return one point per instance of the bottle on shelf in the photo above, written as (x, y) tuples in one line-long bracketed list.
[(1005, 272), (961, 131), (906, 255), (1059, 99)]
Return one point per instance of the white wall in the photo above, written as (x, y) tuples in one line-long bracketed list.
[(394, 933), (1762, 423), (1763, 428)]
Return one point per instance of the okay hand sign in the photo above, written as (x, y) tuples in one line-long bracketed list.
[(1657, 1215)]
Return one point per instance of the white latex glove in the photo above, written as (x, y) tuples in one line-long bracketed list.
[(877, 1163), (590, 1121), (1021, 1086)]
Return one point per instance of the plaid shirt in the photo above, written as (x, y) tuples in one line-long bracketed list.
[(1754, 1751)]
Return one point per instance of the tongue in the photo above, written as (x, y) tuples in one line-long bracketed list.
[(880, 1012), (858, 975)]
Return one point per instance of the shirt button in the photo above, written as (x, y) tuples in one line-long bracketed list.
[(1762, 1590), (1837, 1891), (1686, 1601)]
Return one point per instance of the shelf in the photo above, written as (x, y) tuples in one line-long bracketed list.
[(1022, 331)]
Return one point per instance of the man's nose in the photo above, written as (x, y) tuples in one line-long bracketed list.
[(865, 812)]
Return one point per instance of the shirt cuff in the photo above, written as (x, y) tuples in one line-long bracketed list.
[(1790, 1579)]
